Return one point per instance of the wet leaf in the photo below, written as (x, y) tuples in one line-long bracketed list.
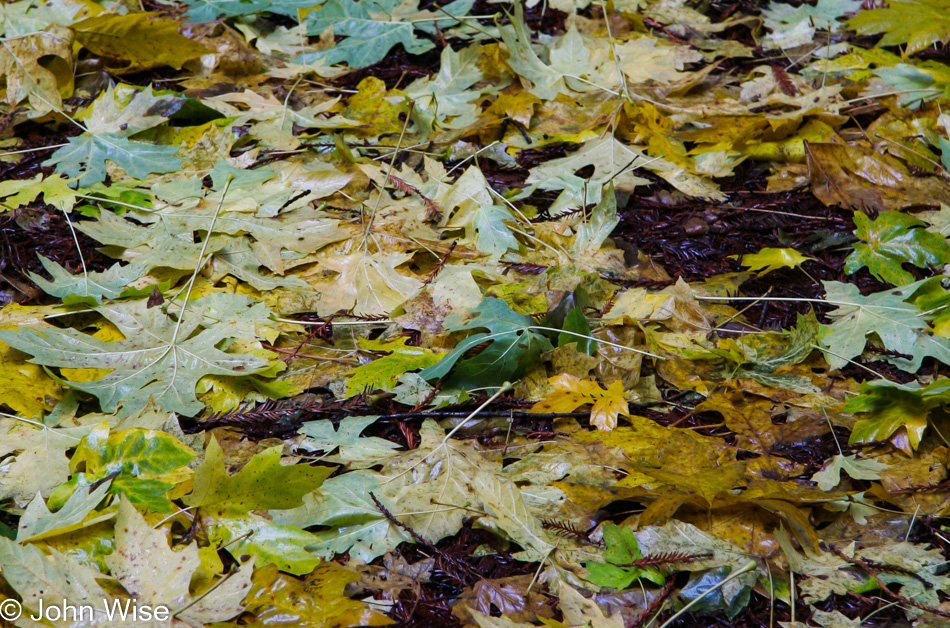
[(144, 465), (514, 345), (571, 393), (135, 41), (891, 240), (322, 437), (918, 24), (158, 356), (319, 601), (769, 259), (220, 494)]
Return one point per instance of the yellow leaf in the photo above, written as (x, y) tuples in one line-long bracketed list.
[(373, 107), (280, 600), (771, 259), (24, 387), (519, 106), (604, 413), (135, 41), (571, 392)]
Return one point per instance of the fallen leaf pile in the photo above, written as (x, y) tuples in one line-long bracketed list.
[(486, 314)]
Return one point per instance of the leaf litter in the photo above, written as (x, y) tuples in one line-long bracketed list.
[(477, 314)]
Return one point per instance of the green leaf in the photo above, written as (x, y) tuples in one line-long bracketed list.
[(494, 236), (145, 464), (114, 116), (86, 286), (885, 407), (448, 93), (916, 84), (86, 156), (513, 347), (55, 190), (322, 437), (794, 26), (897, 323), (919, 24), (829, 477), (369, 35), (891, 240), (576, 322), (546, 82), (357, 526), (622, 549), (37, 522), (158, 357), (253, 487), (286, 547), (383, 373), (149, 247), (210, 10)]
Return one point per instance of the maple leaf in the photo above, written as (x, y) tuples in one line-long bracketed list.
[(910, 566), (622, 549), (155, 575), (55, 191), (919, 24), (226, 503), (383, 372), (415, 488), (888, 314), (356, 525), (28, 446), (448, 93), (210, 10), (769, 259), (47, 580), (25, 17), (830, 476), (579, 611), (219, 494), (86, 287), (368, 284), (891, 240), (369, 35), (114, 116), (646, 58), (143, 464), (136, 41), (571, 392), (569, 56), (319, 600), (37, 68), (591, 234), (514, 345), (24, 387), (886, 406), (795, 26), (320, 436), (158, 357), (38, 522)]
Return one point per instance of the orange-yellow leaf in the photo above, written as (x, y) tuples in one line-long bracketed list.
[(571, 392)]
